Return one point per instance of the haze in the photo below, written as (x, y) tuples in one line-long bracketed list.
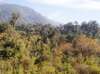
[(63, 10)]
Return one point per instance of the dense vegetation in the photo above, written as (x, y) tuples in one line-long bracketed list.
[(45, 49)]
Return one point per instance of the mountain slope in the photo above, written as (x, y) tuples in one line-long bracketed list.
[(27, 15)]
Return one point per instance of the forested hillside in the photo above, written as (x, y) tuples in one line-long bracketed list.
[(71, 48)]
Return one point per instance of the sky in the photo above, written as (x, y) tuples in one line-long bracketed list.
[(63, 10)]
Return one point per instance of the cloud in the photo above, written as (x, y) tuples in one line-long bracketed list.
[(57, 16), (78, 4), (82, 4), (51, 2), (2, 1)]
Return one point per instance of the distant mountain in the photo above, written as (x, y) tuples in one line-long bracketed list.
[(27, 15)]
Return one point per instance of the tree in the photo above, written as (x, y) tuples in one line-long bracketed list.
[(14, 19)]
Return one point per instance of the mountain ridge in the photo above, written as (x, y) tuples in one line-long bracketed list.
[(27, 15)]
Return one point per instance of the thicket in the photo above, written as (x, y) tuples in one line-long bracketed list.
[(45, 49)]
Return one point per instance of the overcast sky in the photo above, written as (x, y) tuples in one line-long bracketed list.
[(63, 10)]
